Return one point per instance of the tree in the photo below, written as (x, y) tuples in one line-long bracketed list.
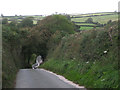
[(109, 21), (27, 22), (56, 22), (89, 20), (13, 23), (4, 21), (68, 17), (2, 15), (15, 15)]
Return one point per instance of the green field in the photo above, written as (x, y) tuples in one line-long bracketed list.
[(85, 24), (34, 21), (87, 28), (20, 18), (100, 19), (92, 14)]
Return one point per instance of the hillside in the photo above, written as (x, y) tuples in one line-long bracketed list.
[(89, 58)]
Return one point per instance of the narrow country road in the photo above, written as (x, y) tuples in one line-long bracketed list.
[(39, 78)]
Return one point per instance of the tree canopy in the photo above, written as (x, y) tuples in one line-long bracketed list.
[(56, 22), (89, 20), (27, 22), (4, 21)]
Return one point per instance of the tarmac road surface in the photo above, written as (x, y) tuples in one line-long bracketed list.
[(40, 78)]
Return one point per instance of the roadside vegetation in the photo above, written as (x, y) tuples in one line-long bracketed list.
[(22, 42), (12, 58), (88, 57)]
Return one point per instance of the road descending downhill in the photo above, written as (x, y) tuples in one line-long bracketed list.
[(40, 78)]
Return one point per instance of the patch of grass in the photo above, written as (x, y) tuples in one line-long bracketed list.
[(85, 24), (89, 14), (85, 28), (34, 22)]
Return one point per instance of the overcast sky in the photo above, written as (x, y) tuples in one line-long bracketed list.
[(46, 7)]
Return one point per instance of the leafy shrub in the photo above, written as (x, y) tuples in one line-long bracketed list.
[(32, 59)]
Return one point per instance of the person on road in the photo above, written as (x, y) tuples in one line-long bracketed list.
[(38, 62)]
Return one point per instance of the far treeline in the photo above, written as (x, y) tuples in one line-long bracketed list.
[(79, 56)]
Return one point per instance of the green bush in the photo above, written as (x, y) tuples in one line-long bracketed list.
[(56, 22), (32, 59)]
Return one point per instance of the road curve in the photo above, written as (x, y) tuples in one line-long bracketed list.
[(39, 78)]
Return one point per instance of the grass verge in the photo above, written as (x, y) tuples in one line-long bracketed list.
[(88, 74)]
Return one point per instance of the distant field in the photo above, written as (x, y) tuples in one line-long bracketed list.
[(20, 18), (89, 14), (100, 19), (34, 21), (85, 24), (87, 28)]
